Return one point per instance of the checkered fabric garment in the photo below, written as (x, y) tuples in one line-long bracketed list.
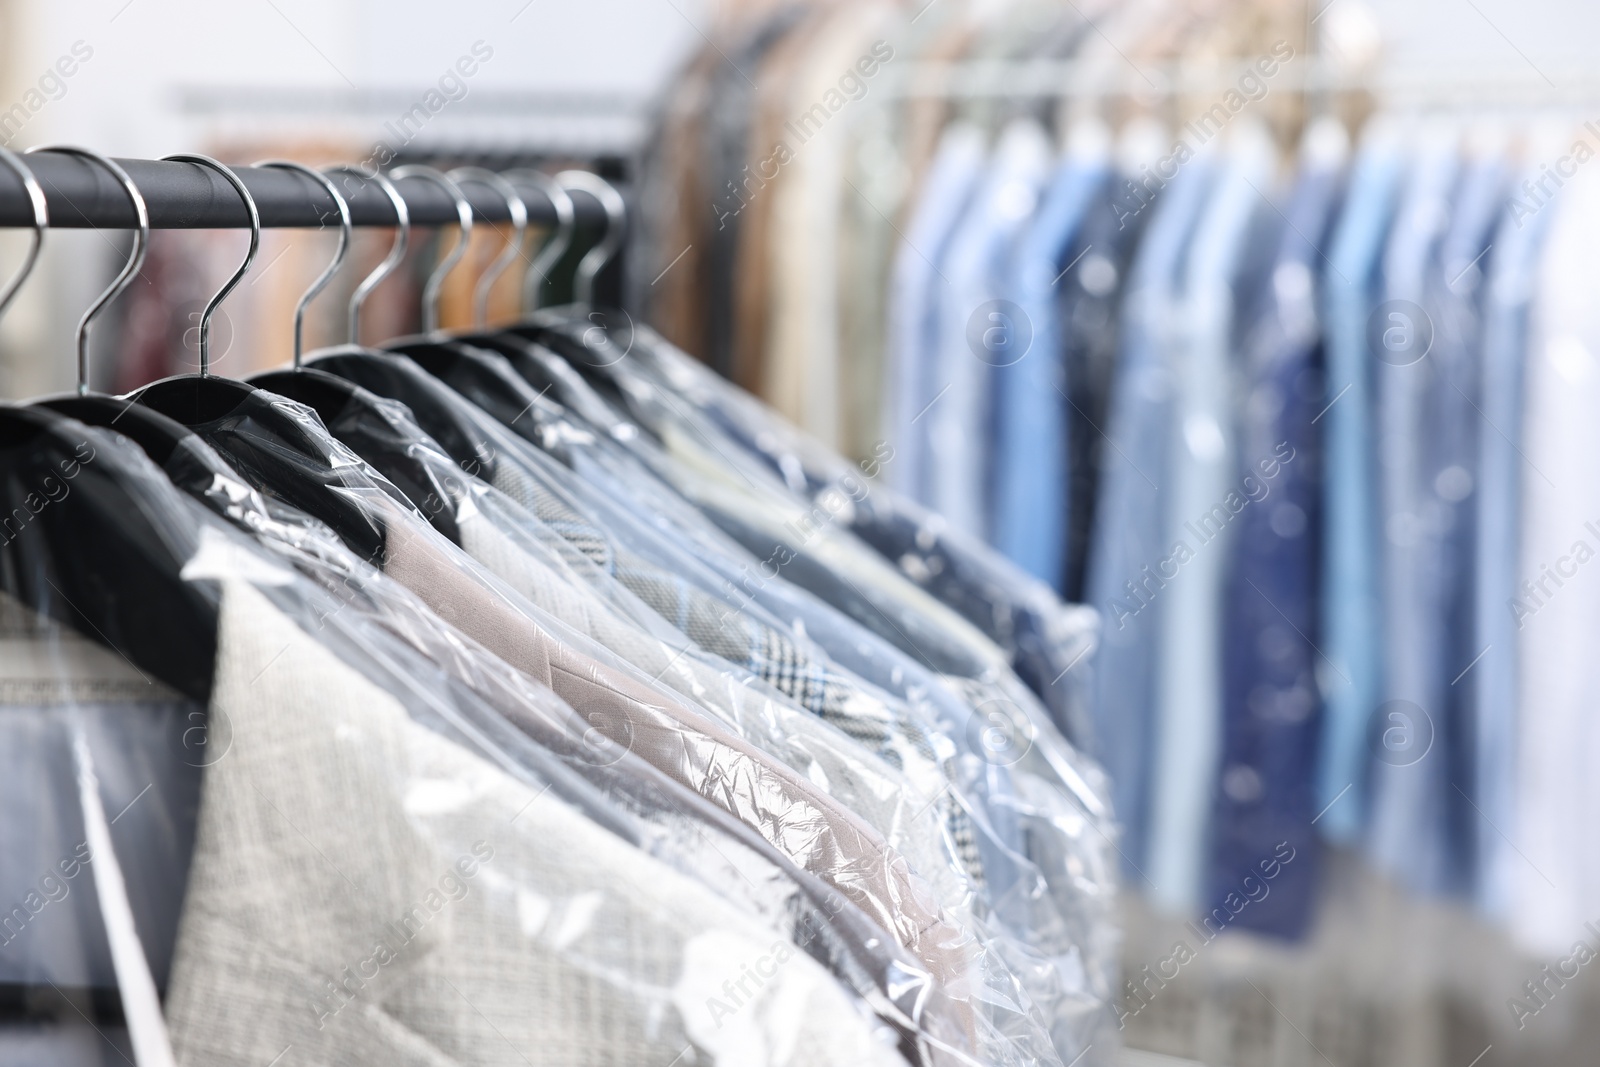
[(579, 532), (815, 686), (759, 649)]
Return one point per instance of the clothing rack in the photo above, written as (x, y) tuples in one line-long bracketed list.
[(1440, 86), (188, 196), (587, 125)]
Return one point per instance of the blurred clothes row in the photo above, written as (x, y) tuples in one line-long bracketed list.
[(1302, 432), (792, 148), (1301, 421), (527, 696)]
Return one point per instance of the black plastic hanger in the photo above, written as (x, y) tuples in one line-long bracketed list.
[(352, 414), (203, 398), (395, 376), (587, 346), (476, 374), (537, 319), (156, 435), (276, 449), (475, 364), (81, 540), (580, 333), (433, 406), (192, 398), (436, 354), (433, 342)]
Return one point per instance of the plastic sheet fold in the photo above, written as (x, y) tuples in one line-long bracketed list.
[(787, 810), (712, 425), (563, 626), (371, 831), (1068, 974)]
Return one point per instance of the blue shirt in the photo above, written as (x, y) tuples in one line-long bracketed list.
[(1406, 797), (1202, 495), (1264, 795), (1351, 623), (1129, 521), (1453, 431), (976, 331), (1031, 459), (915, 291), (1507, 302)]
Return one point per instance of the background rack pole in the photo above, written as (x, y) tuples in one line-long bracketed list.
[(187, 196)]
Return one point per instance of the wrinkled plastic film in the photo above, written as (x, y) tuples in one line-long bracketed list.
[(533, 860), (416, 781), (1048, 640), (504, 448), (1070, 962), (757, 715), (1087, 901), (747, 500), (102, 778), (901, 904), (1084, 828), (1074, 968)]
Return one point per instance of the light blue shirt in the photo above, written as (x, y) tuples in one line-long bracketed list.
[(1453, 433), (1405, 797), (1351, 619), (916, 291), (1506, 314), (1031, 463), (1130, 518), (1201, 475), (975, 333)]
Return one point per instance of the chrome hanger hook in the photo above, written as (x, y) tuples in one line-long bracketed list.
[(249, 258), (554, 248), (519, 229), (430, 292), (41, 222), (397, 251), (141, 245), (346, 227), (616, 218)]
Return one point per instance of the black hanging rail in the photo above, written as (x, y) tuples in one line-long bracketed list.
[(187, 196)]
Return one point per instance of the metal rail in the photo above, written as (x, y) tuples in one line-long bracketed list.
[(187, 196)]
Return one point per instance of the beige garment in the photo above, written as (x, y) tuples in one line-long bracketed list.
[(817, 833), (365, 891), (802, 371), (753, 281), (875, 183), (905, 814), (885, 153)]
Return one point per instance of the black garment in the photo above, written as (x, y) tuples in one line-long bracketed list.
[(1087, 306), (93, 538), (282, 449), (379, 430), (89, 540)]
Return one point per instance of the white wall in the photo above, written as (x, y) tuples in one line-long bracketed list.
[(360, 62), (1552, 34), (125, 99)]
